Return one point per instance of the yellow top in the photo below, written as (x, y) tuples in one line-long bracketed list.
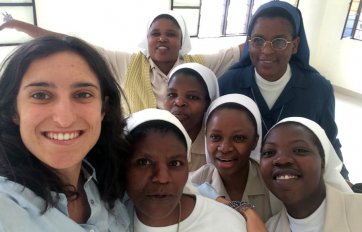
[(137, 84)]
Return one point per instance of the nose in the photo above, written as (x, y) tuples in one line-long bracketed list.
[(64, 113), (162, 38), (180, 102), (161, 174), (283, 158), (268, 47), (225, 146)]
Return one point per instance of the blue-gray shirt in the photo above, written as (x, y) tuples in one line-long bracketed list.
[(20, 210)]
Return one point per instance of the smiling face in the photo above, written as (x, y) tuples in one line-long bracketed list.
[(187, 99), (59, 110), (157, 173), (164, 41), (271, 63), (230, 136), (292, 167)]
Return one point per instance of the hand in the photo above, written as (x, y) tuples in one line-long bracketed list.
[(6, 17)]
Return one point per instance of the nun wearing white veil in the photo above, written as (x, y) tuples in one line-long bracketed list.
[(300, 167), (156, 174), (191, 89), (166, 44), (233, 130)]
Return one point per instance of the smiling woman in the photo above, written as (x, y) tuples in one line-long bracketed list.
[(300, 166), (190, 90), (156, 175), (60, 140), (144, 74)]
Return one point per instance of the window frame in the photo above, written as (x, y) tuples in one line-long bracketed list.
[(352, 34), (224, 19), (24, 4)]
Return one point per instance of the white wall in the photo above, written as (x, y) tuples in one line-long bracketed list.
[(114, 24), (339, 60), (120, 24)]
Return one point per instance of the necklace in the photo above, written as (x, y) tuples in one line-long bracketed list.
[(262, 119), (178, 219)]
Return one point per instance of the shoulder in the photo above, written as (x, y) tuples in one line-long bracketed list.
[(210, 211), (343, 210), (235, 78), (15, 208), (350, 199), (277, 221), (311, 77), (203, 174), (19, 199)]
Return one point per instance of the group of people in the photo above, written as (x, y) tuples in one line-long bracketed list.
[(161, 140)]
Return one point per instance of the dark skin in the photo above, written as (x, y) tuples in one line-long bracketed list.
[(292, 168), (167, 33), (231, 136)]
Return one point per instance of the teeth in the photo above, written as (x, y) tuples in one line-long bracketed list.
[(286, 177), (62, 136)]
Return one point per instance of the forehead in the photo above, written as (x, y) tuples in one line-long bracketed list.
[(65, 66), (187, 81), (165, 22), (160, 144), (238, 117), (272, 25), (289, 132)]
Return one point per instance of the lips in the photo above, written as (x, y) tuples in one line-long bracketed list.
[(62, 136), (160, 196), (225, 162), (161, 47), (180, 115), (286, 175)]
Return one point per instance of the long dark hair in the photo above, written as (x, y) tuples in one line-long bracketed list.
[(18, 164)]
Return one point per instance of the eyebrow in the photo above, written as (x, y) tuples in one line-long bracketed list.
[(52, 85)]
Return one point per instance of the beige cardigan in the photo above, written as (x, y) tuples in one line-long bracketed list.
[(343, 213)]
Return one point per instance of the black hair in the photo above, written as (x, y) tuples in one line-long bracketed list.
[(18, 164), (142, 130), (235, 106), (198, 77), (313, 136)]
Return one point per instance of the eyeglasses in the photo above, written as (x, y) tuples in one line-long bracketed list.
[(277, 43)]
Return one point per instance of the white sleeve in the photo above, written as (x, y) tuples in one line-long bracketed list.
[(221, 61)]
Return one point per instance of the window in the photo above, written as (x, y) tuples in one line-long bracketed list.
[(353, 24), (217, 18), (23, 10)]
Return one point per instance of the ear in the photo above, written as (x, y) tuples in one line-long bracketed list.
[(16, 119), (322, 166), (255, 142), (104, 106), (295, 44)]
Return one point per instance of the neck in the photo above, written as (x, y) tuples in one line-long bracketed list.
[(165, 67), (235, 183), (70, 176), (194, 132), (306, 207), (78, 206), (183, 209)]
